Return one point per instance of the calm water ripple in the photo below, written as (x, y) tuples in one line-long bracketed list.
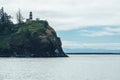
[(76, 67)]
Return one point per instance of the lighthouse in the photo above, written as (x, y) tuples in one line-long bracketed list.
[(30, 16)]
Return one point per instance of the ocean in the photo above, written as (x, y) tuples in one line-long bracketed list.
[(75, 67)]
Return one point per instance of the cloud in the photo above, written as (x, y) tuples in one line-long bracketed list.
[(114, 30), (68, 14), (98, 34), (107, 31), (77, 45)]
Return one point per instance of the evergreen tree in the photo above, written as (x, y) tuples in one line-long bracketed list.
[(5, 22), (2, 15), (1, 19)]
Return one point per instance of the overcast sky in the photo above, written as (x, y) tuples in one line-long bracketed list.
[(67, 15)]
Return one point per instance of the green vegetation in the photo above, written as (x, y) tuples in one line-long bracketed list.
[(6, 24), (32, 28), (4, 40), (21, 30)]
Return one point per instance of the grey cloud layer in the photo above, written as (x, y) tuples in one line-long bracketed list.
[(69, 13)]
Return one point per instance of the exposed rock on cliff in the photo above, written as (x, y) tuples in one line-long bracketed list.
[(31, 39)]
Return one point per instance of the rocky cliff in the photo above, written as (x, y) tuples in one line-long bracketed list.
[(31, 39)]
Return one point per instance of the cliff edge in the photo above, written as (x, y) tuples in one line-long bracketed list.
[(31, 39)]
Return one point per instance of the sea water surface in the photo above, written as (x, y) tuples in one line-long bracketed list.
[(75, 67)]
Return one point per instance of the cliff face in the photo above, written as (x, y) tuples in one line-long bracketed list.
[(32, 39)]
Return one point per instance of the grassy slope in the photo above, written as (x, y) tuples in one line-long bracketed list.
[(37, 27)]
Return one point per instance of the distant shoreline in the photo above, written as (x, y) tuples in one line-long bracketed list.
[(93, 53)]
